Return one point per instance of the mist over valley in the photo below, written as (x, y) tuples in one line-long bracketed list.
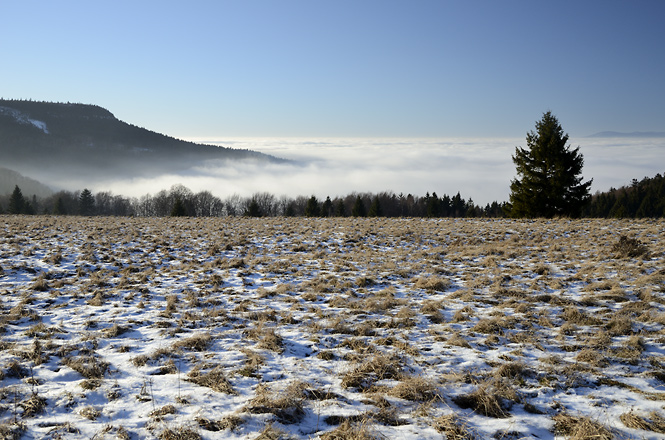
[(75, 146)]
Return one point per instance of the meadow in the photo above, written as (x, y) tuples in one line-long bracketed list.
[(331, 329)]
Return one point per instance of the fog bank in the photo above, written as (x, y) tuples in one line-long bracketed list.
[(480, 169)]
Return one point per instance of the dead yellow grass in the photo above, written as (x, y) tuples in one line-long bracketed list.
[(235, 301), (580, 428)]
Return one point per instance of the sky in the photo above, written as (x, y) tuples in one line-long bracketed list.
[(360, 68), (364, 95)]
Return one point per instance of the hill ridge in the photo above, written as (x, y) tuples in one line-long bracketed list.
[(630, 134), (37, 135)]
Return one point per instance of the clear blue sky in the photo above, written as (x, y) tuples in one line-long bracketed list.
[(344, 68)]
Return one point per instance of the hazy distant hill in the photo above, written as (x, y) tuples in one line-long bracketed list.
[(78, 138), (641, 134), (9, 179)]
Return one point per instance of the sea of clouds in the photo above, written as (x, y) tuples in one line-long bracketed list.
[(480, 169)]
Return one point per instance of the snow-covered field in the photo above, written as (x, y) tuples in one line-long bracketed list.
[(331, 328)]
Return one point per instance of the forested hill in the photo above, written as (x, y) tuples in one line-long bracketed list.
[(10, 178), (88, 137), (644, 198)]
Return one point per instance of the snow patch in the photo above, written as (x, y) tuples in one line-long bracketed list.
[(39, 124), (23, 118)]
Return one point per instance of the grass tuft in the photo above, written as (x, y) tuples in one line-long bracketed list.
[(378, 368), (415, 389), (286, 406), (199, 342), (214, 379), (454, 427), (33, 405), (630, 247), (89, 366), (179, 433), (580, 428), (492, 398), (654, 423), (352, 431)]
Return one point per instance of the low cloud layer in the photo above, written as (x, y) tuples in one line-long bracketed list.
[(480, 169)]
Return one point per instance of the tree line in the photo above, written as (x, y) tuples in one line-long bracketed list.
[(644, 198), (181, 201), (640, 199)]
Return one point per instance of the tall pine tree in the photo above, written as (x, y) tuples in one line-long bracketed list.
[(549, 182), (178, 209), (375, 208), (16, 202), (86, 202), (358, 209), (312, 208)]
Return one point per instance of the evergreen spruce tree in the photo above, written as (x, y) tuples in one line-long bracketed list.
[(86, 203), (549, 182), (340, 209), (358, 209), (178, 209), (59, 208), (458, 205), (432, 207), (16, 202), (34, 205), (375, 208), (28, 208), (327, 207), (312, 207), (253, 209)]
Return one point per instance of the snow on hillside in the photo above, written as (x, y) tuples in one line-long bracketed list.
[(39, 124), (23, 118), (331, 328)]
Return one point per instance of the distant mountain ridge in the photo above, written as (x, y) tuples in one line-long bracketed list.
[(641, 134), (10, 178), (85, 138)]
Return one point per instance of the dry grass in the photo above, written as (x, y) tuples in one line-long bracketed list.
[(214, 379), (454, 427), (12, 430), (352, 431), (593, 357), (379, 367), (199, 342), (114, 331), (492, 398), (415, 388), (494, 326), (580, 428), (513, 370), (575, 315), (395, 314), (654, 422), (458, 340), (33, 405), (286, 405), (272, 433), (89, 366), (630, 247), (619, 326), (90, 412), (432, 283), (162, 411), (179, 433), (231, 423), (266, 337)]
